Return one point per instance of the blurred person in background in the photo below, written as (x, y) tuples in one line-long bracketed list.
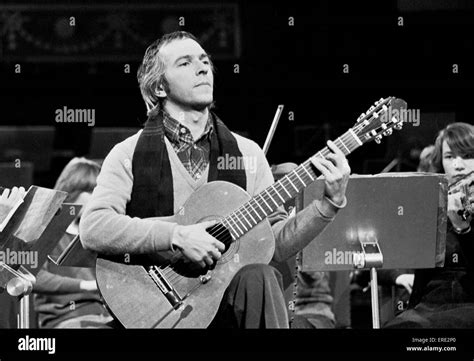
[(67, 297)]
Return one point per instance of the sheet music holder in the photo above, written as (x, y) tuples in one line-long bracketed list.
[(34, 229), (406, 212), (391, 221), (75, 256), (30, 228)]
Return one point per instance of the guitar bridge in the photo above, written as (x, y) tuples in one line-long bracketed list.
[(163, 284)]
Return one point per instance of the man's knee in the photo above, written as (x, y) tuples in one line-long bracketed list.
[(258, 272)]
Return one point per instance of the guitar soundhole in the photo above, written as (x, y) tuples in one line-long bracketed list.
[(188, 269), (220, 232)]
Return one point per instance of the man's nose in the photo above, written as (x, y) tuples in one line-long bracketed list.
[(202, 68)]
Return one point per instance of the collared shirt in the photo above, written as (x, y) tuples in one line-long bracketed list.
[(193, 154)]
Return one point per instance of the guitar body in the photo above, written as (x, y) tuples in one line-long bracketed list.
[(136, 300)]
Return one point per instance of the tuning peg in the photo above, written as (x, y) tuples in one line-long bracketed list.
[(371, 108), (380, 101), (361, 116), (378, 139), (388, 132), (399, 126)]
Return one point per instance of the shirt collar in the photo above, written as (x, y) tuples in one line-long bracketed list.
[(178, 133)]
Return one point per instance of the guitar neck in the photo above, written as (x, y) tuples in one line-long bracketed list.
[(266, 202)]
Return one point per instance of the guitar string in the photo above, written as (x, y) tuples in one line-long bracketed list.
[(176, 277), (252, 210), (248, 206), (217, 231), (220, 228), (249, 209), (169, 270)]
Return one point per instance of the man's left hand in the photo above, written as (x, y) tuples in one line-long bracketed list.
[(335, 169)]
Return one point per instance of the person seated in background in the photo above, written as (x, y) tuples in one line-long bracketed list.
[(426, 159), (444, 297), (67, 297)]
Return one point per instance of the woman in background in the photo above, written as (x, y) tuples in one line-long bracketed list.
[(444, 297), (67, 297)]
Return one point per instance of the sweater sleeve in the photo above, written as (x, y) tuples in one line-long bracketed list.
[(50, 283), (104, 226), (295, 233)]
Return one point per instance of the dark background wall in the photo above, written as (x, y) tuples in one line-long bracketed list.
[(300, 66)]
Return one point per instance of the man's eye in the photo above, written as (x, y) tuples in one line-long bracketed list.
[(206, 62), (184, 63), (448, 156)]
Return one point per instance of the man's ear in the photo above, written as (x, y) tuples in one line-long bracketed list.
[(160, 91)]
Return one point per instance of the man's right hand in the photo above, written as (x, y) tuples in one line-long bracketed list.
[(196, 244)]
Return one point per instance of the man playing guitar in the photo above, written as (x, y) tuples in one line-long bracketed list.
[(183, 145)]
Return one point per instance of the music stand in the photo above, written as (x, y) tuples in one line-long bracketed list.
[(388, 219), (31, 233)]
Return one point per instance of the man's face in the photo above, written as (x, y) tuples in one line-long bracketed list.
[(188, 73), (454, 165)]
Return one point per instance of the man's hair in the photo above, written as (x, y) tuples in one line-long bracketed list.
[(460, 138), (79, 175), (151, 72)]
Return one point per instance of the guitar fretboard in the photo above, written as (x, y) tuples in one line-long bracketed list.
[(266, 202)]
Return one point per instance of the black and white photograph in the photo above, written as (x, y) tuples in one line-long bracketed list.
[(190, 177)]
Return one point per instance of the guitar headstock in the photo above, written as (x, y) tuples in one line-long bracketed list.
[(380, 119)]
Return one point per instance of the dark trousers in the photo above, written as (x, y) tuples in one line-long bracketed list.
[(254, 299)]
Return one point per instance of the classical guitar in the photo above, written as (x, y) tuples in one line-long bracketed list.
[(167, 291)]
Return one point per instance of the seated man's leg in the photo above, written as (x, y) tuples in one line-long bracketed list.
[(254, 299)]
